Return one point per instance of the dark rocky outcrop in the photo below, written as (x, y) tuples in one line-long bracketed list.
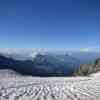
[(87, 69)]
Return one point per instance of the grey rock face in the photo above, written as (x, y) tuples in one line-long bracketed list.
[(86, 69)]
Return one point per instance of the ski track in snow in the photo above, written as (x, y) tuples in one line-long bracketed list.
[(28, 88)]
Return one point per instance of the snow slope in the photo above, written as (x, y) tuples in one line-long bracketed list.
[(7, 73), (57, 88), (96, 74)]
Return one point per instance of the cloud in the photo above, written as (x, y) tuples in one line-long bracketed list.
[(12, 50)]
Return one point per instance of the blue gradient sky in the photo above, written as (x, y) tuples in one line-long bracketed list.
[(50, 24)]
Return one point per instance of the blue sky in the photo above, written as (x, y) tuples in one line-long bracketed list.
[(57, 24)]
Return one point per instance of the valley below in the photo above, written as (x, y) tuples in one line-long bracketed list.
[(50, 88)]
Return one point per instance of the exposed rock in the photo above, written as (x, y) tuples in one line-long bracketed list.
[(97, 61), (87, 69)]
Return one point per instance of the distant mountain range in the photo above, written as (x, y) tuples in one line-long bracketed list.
[(46, 64)]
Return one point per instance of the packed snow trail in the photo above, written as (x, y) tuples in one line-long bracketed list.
[(28, 88)]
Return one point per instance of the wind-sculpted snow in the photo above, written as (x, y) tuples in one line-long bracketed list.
[(28, 88)]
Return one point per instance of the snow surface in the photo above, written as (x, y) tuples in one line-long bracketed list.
[(96, 74), (56, 88), (7, 73)]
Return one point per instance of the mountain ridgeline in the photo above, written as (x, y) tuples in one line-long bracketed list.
[(42, 65), (52, 64)]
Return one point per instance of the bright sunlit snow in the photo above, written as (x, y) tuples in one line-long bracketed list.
[(35, 88)]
